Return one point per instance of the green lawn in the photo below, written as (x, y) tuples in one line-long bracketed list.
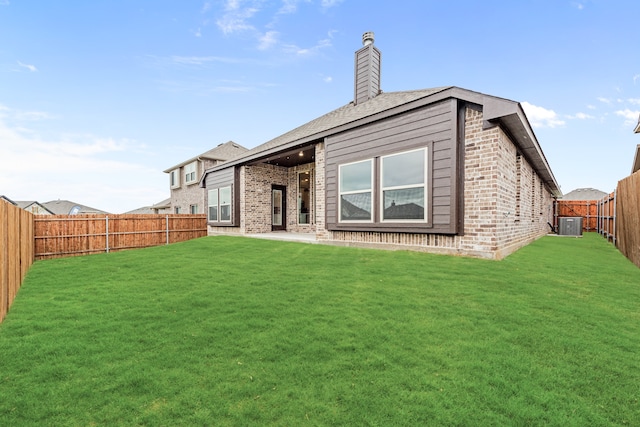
[(237, 331)]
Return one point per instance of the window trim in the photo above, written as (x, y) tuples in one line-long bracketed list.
[(311, 201), (231, 204), (189, 172), (209, 205), (423, 227), (424, 186), (193, 209), (174, 179), (371, 191)]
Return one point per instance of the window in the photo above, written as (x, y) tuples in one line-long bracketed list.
[(225, 204), (176, 210), (190, 173), (304, 197), (193, 209), (174, 178), (390, 191), (403, 186), (213, 205), (356, 191), (220, 204)]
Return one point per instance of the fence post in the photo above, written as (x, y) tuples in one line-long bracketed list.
[(106, 218), (167, 220)]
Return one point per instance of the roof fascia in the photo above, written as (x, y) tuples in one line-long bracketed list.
[(292, 145), (636, 161)]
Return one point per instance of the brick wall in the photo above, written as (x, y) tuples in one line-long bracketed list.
[(497, 186), (187, 195)]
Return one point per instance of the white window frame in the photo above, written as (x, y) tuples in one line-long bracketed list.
[(190, 173), (405, 187), (193, 209), (174, 178), (370, 190), (230, 204), (209, 204), (219, 205)]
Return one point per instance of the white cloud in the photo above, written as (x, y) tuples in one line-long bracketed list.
[(630, 117), (31, 68), (91, 170), (288, 7), (326, 4), (604, 100), (634, 101), (541, 117), (327, 79), (591, 107), (635, 78), (296, 50), (581, 116), (205, 7), (4, 3), (236, 16), (268, 40)]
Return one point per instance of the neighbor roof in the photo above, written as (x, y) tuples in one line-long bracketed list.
[(222, 152), (64, 207), (496, 110), (24, 204), (584, 194), (637, 129)]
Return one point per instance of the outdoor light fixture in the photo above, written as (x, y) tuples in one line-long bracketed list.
[(301, 154)]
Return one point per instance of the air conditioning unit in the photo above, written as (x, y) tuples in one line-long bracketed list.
[(570, 226)]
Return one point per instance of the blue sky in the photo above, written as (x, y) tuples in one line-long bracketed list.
[(98, 97)]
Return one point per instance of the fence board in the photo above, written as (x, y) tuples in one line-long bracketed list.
[(628, 217), (16, 252), (70, 235), (587, 209)]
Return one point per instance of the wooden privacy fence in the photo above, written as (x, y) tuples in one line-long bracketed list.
[(627, 212), (16, 252), (587, 209), (71, 235), (607, 217)]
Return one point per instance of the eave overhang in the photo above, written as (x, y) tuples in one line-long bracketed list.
[(636, 161), (511, 117)]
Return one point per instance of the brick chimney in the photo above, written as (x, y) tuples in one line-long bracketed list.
[(367, 70)]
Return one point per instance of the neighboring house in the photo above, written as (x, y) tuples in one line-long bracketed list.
[(584, 194), (8, 200), (443, 170), (186, 195), (163, 207), (66, 207), (34, 207)]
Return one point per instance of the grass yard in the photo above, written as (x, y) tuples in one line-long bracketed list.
[(237, 331)]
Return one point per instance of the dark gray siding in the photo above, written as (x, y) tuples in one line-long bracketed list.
[(367, 73), (220, 178), (434, 127), (223, 178)]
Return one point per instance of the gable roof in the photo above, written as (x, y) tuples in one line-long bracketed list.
[(8, 200), (584, 194), (25, 204), (222, 152), (509, 114), (65, 207)]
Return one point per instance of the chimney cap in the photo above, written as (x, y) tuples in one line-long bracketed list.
[(367, 38)]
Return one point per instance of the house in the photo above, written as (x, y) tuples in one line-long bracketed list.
[(186, 195), (163, 207), (584, 194), (8, 200), (444, 170), (34, 207), (66, 207)]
